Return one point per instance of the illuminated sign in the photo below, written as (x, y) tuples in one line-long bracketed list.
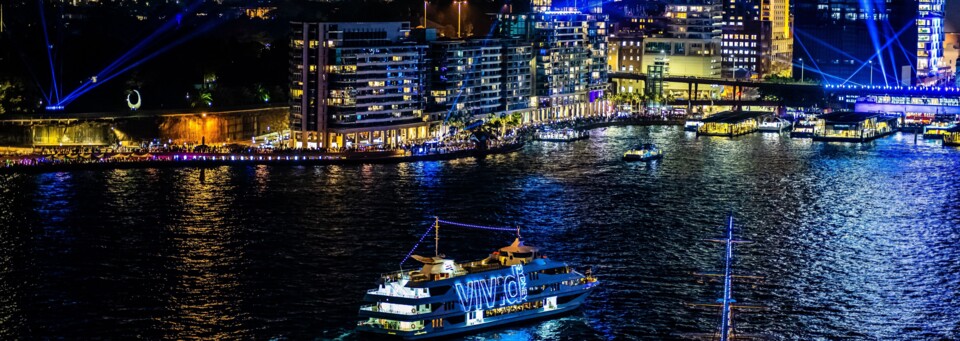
[(131, 105), (482, 293)]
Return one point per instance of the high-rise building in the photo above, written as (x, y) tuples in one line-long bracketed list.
[(356, 84), (757, 38), (475, 77), (691, 45), (570, 54), (930, 37), (869, 42)]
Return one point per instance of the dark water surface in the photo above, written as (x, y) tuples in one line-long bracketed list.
[(858, 242)]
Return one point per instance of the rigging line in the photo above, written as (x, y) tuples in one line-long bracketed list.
[(493, 228), (425, 233)]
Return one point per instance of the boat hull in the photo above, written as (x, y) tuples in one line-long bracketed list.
[(518, 318), (642, 158), (583, 137)]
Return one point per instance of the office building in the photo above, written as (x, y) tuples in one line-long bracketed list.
[(356, 84), (757, 39), (869, 42)]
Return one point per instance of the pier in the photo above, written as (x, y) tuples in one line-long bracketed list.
[(731, 123), (854, 126)]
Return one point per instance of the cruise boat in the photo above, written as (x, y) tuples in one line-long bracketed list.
[(952, 137), (937, 130), (774, 125), (645, 152), (443, 298), (692, 125), (562, 135), (804, 128)]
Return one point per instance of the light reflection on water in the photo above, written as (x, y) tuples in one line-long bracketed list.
[(857, 241)]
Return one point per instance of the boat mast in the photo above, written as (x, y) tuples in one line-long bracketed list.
[(727, 303), (436, 236), (726, 332)]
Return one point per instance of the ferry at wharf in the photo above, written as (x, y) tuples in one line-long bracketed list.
[(513, 284), (644, 152), (562, 135)]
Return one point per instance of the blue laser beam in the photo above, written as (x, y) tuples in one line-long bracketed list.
[(132, 52), (878, 52), (46, 39), (202, 29)]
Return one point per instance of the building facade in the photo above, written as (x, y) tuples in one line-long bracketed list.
[(870, 42), (757, 39), (691, 45), (569, 56), (356, 84), (477, 77)]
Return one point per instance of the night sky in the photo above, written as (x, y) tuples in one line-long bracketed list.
[(952, 12)]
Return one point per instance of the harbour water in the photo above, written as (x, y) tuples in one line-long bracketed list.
[(857, 241)]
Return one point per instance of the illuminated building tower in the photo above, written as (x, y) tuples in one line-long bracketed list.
[(477, 77), (356, 84), (757, 38), (690, 46), (930, 37), (570, 55), (855, 41)]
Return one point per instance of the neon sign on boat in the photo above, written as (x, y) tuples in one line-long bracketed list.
[(482, 293)]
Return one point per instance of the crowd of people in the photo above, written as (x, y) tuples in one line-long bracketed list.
[(153, 151)]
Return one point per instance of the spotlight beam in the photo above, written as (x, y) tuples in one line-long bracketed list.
[(812, 60), (875, 54), (132, 52), (46, 39), (202, 29)]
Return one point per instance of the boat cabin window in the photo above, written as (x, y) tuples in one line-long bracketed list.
[(523, 254), (439, 291)]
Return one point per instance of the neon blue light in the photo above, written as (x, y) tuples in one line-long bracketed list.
[(478, 226), (482, 293)]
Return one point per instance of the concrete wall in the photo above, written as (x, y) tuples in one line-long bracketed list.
[(237, 126)]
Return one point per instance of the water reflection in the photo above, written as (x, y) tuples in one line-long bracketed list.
[(858, 241), (205, 259)]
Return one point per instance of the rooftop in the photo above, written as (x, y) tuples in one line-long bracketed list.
[(734, 116), (848, 116)]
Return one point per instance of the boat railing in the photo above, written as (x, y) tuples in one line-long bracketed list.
[(400, 311)]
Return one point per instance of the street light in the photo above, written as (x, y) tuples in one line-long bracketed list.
[(801, 70), (459, 3), (424, 14)]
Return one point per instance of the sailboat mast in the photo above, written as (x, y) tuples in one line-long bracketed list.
[(436, 236)]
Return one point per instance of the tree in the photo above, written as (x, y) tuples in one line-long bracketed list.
[(11, 97), (205, 98), (261, 93)]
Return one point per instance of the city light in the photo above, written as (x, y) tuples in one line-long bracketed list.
[(481, 293)]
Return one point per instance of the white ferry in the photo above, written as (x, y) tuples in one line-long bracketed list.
[(645, 152), (692, 125), (562, 135), (774, 125), (513, 284)]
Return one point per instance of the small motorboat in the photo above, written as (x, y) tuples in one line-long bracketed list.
[(774, 125), (645, 152)]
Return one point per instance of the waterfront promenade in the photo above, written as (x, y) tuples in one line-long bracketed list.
[(54, 159)]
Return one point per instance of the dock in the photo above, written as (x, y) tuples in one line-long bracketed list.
[(846, 126), (731, 123)]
